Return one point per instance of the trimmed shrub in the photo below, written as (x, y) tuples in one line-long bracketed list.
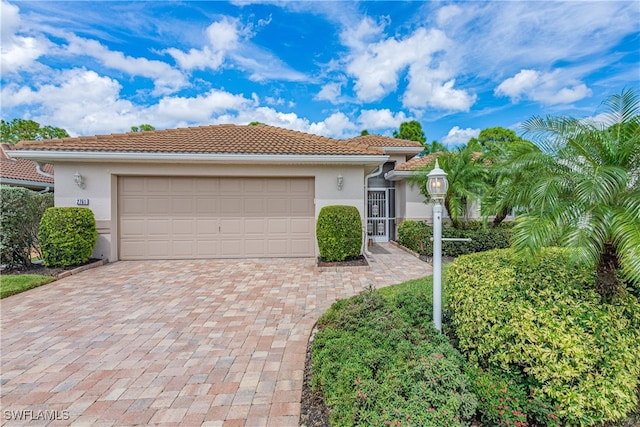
[(339, 233), (381, 362), (20, 213), (67, 236), (416, 235), (544, 319)]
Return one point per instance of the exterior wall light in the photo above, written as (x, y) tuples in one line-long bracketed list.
[(340, 182), (437, 186), (78, 179)]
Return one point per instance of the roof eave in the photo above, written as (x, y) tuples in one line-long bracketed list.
[(403, 150), (26, 183), (159, 157), (401, 175)]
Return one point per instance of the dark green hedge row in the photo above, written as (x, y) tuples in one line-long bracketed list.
[(381, 362), (339, 233), (539, 326), (20, 213), (67, 236), (416, 235)]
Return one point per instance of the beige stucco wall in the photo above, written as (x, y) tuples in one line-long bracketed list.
[(101, 187)]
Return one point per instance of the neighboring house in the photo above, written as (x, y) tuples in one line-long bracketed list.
[(24, 173), (224, 191)]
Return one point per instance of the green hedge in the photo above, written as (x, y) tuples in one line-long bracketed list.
[(543, 319), (339, 233), (67, 236), (416, 235), (381, 362), (20, 213)]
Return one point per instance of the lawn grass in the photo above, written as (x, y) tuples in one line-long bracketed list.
[(14, 284), (423, 285)]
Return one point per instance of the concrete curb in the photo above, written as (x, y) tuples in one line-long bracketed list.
[(82, 268)]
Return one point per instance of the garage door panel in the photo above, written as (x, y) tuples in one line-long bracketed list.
[(301, 226), (217, 217), (206, 227)]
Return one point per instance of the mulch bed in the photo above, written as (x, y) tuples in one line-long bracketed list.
[(360, 261), (313, 411), (46, 271)]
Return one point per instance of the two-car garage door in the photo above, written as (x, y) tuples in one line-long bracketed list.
[(205, 217)]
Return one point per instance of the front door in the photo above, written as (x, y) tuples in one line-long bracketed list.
[(380, 214)]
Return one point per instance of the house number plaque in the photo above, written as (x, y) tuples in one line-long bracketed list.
[(82, 202)]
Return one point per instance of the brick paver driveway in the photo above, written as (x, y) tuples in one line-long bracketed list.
[(218, 342)]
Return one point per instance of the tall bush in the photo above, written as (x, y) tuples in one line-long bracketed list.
[(20, 213), (416, 235), (544, 319), (67, 236), (339, 232)]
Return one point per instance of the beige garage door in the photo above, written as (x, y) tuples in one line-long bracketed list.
[(188, 217)]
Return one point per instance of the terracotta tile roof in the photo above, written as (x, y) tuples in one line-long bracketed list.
[(218, 139), (21, 169), (420, 162), (384, 141), (415, 163)]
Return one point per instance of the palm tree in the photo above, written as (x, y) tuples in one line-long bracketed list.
[(584, 190), (466, 175)]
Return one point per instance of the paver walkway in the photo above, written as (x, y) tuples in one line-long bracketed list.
[(211, 342)]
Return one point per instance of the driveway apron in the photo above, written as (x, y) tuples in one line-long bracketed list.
[(206, 342)]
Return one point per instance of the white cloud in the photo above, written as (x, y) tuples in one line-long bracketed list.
[(380, 119), (546, 88), (166, 79), (460, 136), (200, 108), (377, 70), (18, 52), (220, 38), (330, 92)]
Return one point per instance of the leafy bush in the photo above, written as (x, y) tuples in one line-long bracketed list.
[(67, 236), (339, 233), (20, 213), (381, 362), (543, 318), (416, 235)]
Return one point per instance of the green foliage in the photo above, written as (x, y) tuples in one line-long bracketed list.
[(381, 362), (20, 213), (11, 284), (503, 399), (142, 128), (544, 319), (364, 132), (339, 232), (27, 130), (467, 181), (67, 236), (411, 131), (583, 190), (416, 235)]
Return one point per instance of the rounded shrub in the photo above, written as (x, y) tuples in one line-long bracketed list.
[(543, 319), (67, 236), (339, 233)]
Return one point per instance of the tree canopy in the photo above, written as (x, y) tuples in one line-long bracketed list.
[(142, 128), (11, 132), (411, 131)]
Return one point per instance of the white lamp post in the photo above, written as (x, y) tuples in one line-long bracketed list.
[(437, 186)]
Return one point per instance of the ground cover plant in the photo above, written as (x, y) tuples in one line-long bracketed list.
[(379, 361), (14, 284), (540, 329)]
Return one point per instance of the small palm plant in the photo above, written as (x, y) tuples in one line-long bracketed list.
[(584, 190)]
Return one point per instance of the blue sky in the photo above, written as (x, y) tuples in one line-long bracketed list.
[(331, 68)]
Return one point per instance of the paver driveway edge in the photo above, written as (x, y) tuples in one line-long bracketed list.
[(206, 342)]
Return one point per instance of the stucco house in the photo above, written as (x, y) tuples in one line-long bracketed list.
[(24, 173), (227, 191)]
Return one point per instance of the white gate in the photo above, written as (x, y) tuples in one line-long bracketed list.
[(380, 214)]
